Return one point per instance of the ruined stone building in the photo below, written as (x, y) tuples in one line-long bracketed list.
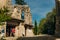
[(21, 19)]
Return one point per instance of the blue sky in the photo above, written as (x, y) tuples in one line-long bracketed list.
[(39, 8)]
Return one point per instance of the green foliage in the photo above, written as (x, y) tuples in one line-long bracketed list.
[(47, 25), (35, 28), (51, 20), (41, 25), (3, 15), (20, 2)]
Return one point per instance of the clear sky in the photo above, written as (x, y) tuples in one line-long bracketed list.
[(39, 8)]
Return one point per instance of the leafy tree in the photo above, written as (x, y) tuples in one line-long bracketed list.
[(51, 20), (3, 15), (35, 28), (48, 27), (20, 2), (41, 25)]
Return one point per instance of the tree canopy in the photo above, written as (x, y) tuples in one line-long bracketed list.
[(41, 25), (3, 15), (20, 2), (47, 25)]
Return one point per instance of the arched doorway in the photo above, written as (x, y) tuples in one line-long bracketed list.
[(9, 29)]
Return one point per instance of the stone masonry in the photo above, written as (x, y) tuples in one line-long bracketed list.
[(57, 31), (22, 26)]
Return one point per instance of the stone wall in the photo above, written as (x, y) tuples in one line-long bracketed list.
[(3, 26), (5, 3), (21, 29), (57, 31), (37, 38), (29, 32), (2, 3), (17, 13)]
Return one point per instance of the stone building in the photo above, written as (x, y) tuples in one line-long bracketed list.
[(57, 31), (21, 20), (4, 3)]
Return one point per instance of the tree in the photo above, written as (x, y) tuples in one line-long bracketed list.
[(20, 2), (51, 20), (48, 27), (3, 15), (42, 26), (35, 28)]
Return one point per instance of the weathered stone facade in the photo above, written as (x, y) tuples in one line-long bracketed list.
[(5, 3), (17, 12), (22, 25), (57, 31), (2, 3)]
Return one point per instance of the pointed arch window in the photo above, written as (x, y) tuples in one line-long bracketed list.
[(22, 15)]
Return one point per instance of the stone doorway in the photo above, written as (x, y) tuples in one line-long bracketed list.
[(9, 30)]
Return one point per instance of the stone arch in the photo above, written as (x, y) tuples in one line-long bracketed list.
[(27, 16), (22, 13)]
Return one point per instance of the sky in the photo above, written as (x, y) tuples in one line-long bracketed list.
[(39, 8)]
